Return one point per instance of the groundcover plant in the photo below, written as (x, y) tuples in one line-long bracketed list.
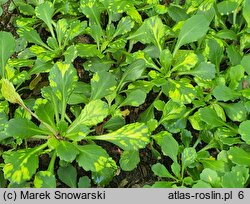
[(94, 91)]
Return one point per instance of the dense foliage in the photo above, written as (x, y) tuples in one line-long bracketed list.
[(79, 78)]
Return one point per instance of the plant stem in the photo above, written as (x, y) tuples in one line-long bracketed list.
[(52, 163)]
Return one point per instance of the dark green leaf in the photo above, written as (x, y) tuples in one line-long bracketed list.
[(68, 175), (133, 71), (84, 182), (239, 156), (45, 111), (124, 26), (169, 145), (246, 13), (161, 171), (31, 36), (205, 71), (88, 50), (209, 116), (134, 98), (7, 47), (244, 130), (224, 93), (102, 84), (129, 160), (94, 158), (210, 176), (236, 178), (235, 111), (64, 149), (193, 29), (227, 7), (23, 128)]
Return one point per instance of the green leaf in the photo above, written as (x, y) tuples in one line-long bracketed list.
[(133, 71), (45, 179), (134, 98), (84, 182), (201, 184), (188, 156), (245, 61), (151, 31), (88, 50), (115, 123), (180, 91), (176, 168), (184, 60), (196, 121), (216, 165), (45, 111), (209, 116), (63, 80), (192, 30), (20, 165), (172, 111), (129, 160), (23, 128), (210, 176), (166, 59), (237, 178), (124, 26), (236, 74), (204, 70), (169, 145), (26, 9), (227, 7), (105, 175), (235, 111), (130, 137), (161, 171), (68, 175), (7, 47), (4, 111), (102, 84), (246, 13), (239, 156), (9, 92), (45, 12), (177, 13), (244, 131), (92, 114), (92, 9), (31, 36), (64, 149), (94, 158), (234, 55), (224, 93)]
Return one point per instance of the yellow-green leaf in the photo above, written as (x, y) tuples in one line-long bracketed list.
[(9, 92), (92, 114), (20, 165), (130, 137), (45, 179), (94, 158)]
